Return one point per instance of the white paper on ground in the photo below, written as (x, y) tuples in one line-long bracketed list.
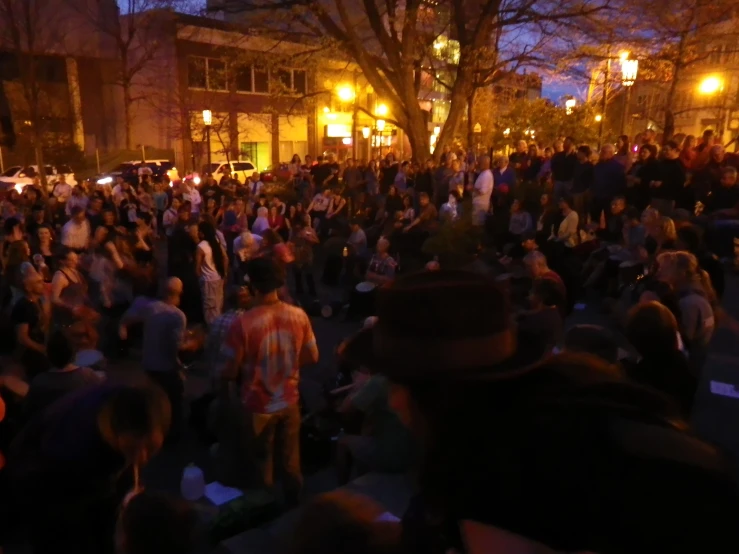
[(387, 516), (220, 494)]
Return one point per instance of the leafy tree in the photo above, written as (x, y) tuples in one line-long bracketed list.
[(406, 47)]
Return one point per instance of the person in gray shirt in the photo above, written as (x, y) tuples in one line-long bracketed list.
[(165, 335)]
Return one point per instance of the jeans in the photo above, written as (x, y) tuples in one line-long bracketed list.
[(212, 292), (274, 439)]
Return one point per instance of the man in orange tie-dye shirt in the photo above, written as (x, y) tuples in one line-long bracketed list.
[(265, 349)]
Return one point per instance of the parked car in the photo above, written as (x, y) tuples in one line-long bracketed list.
[(241, 170), (19, 176), (131, 169), (279, 172)]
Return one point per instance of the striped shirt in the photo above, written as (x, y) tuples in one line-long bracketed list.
[(267, 344)]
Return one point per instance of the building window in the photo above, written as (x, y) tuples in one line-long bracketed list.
[(207, 73), (196, 73), (257, 153), (300, 81), (217, 78), (243, 79), (261, 80), (291, 80), (285, 78)]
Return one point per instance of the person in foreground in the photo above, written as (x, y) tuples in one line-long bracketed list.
[(264, 350), (524, 455), (71, 465)]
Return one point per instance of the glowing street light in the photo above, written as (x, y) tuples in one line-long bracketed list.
[(207, 117), (345, 93), (711, 85), (380, 124), (570, 104), (507, 132), (437, 130), (629, 69), (366, 132), (208, 120), (381, 110), (598, 118)]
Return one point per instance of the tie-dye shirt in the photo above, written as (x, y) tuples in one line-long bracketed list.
[(267, 344)]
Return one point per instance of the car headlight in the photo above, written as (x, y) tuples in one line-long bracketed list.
[(105, 181)]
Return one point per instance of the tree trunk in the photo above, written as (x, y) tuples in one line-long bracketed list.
[(471, 119), (669, 126)]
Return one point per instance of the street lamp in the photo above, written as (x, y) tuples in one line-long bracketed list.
[(381, 110), (598, 118), (380, 124), (366, 132), (629, 70), (715, 85), (208, 120), (570, 104), (345, 93)]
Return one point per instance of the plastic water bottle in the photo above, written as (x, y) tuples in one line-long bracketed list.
[(192, 486)]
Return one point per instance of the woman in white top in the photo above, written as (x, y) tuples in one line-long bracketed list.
[(210, 267), (567, 232)]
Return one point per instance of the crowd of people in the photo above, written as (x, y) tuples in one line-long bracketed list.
[(226, 273)]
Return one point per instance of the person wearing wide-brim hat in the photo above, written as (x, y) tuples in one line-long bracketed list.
[(564, 454)]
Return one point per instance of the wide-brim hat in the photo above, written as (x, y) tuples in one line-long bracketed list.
[(447, 324)]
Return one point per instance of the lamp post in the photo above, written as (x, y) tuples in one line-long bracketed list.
[(629, 70), (380, 126), (570, 104), (208, 120)]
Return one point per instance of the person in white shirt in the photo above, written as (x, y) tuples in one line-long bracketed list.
[(62, 191), (77, 200), (120, 190), (210, 267), (567, 232), (482, 192), (76, 232), (193, 195)]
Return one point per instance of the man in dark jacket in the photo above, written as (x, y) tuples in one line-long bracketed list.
[(609, 181)]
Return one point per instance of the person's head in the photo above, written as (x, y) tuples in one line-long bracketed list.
[(264, 276), (622, 143), (565, 204), (483, 163), (454, 197), (650, 218), (423, 199), (96, 204), (501, 162), (548, 152), (558, 146), (667, 229), (584, 153), (296, 159), (38, 213), (273, 211), (108, 217), (689, 238), (528, 242), (646, 153), (176, 203), (717, 153), (649, 136), (18, 252), (173, 291), (407, 201), (392, 190), (156, 523), (536, 264), (210, 203), (456, 166), (569, 144), (618, 205), (521, 147), (59, 350), (78, 214), (43, 234), (13, 229), (728, 177), (533, 150), (607, 152), (678, 269), (592, 339), (545, 200), (708, 136), (262, 211), (383, 246), (355, 226), (652, 330), (689, 142), (515, 206), (69, 259), (255, 176), (193, 230), (671, 150), (237, 298)]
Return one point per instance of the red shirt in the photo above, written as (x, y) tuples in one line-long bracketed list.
[(267, 343)]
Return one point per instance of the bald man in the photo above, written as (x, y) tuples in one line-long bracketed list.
[(164, 336)]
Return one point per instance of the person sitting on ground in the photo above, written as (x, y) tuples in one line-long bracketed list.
[(613, 229), (520, 221), (652, 330), (543, 320), (155, 523), (592, 339), (567, 234), (536, 264), (62, 378), (450, 210), (690, 239)]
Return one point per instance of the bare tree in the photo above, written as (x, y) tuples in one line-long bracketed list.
[(392, 42)]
